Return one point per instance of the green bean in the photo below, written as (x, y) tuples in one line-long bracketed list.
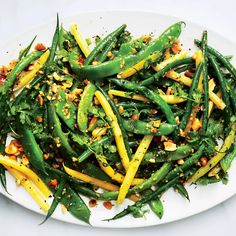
[(141, 127), (84, 104), (55, 40), (187, 164), (205, 85), (31, 148), (56, 200), (182, 190), (151, 95), (109, 38), (136, 105), (119, 119), (190, 101), (94, 145), (105, 196), (26, 50), (180, 152), (223, 86), (60, 138), (167, 68), (2, 168), (219, 57), (184, 68), (103, 55), (145, 200), (118, 64)]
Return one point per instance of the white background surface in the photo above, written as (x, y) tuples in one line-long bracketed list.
[(17, 17)]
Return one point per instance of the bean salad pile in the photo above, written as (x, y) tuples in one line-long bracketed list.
[(124, 121)]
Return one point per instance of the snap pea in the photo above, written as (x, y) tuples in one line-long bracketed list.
[(84, 104), (73, 59), (165, 40), (190, 101), (31, 148), (170, 66), (225, 163), (60, 138), (102, 44), (103, 55), (75, 204), (157, 207), (141, 127), (228, 65), (151, 95)]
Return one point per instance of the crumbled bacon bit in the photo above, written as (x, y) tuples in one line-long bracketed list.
[(40, 47), (107, 205), (53, 183), (92, 203)]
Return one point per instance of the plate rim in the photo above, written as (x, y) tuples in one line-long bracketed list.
[(115, 11)]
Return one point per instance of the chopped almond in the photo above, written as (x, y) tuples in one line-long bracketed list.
[(176, 47), (40, 47), (170, 146), (40, 99), (53, 183), (25, 160), (196, 125), (107, 205), (11, 149), (92, 203)]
